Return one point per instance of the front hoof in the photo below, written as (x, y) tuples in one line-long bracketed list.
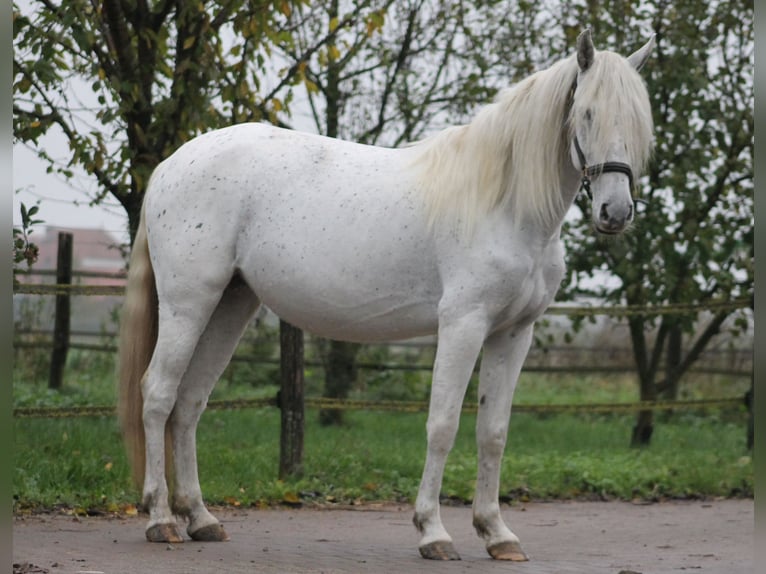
[(439, 551), (507, 551), (210, 533), (166, 532)]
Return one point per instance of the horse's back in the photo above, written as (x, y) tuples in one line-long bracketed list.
[(330, 235)]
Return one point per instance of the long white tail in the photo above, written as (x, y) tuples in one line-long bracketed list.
[(138, 337)]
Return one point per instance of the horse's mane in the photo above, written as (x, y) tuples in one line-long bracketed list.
[(513, 149)]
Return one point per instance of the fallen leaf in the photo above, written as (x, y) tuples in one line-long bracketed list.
[(291, 498)]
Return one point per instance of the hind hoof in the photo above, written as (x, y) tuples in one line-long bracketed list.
[(166, 532), (507, 551), (210, 533), (439, 551)]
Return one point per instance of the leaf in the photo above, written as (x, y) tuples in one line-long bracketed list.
[(23, 85), (189, 42), (311, 86), (290, 497), (375, 22)]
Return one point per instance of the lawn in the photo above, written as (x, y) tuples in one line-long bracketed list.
[(375, 456), (378, 456)]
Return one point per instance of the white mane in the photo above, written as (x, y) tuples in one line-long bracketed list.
[(514, 149)]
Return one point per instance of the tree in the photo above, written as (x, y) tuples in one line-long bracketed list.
[(127, 82), (693, 241)]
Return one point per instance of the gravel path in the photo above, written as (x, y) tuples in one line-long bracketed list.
[(581, 537)]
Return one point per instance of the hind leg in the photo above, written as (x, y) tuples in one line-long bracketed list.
[(214, 350), (182, 319)]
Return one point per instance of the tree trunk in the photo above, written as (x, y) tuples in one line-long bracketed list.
[(642, 432), (672, 363), (340, 375)]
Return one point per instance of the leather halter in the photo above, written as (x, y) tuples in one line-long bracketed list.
[(589, 171)]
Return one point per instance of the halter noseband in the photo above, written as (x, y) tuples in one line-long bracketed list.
[(593, 170)]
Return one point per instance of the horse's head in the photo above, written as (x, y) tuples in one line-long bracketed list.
[(611, 127)]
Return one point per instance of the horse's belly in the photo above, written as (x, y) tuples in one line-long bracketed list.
[(361, 282), (369, 322), (344, 301)]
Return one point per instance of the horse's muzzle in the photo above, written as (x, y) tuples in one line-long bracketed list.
[(613, 219)]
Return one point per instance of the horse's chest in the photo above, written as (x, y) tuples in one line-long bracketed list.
[(520, 289), (531, 291)]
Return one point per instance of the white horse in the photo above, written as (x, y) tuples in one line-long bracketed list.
[(456, 235)]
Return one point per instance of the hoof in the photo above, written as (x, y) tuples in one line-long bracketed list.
[(439, 551), (507, 551), (210, 533), (167, 532)]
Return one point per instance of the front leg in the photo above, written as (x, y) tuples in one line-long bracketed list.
[(459, 344), (504, 353)]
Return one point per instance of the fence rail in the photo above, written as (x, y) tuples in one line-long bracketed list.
[(400, 406)]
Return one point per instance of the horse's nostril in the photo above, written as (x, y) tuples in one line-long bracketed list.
[(604, 214)]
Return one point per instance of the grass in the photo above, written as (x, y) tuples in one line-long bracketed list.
[(79, 463), (378, 456)]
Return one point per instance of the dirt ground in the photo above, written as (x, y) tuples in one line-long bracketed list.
[(581, 537)]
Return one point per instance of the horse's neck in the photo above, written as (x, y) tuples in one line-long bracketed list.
[(569, 187)]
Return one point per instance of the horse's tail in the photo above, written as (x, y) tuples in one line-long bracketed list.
[(138, 337)]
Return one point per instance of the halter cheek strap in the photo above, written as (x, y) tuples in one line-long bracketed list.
[(595, 170)]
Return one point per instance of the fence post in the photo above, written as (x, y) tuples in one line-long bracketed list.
[(291, 401), (61, 325)]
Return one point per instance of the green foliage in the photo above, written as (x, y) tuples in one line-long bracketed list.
[(693, 240), (390, 384), (23, 248), (89, 379), (128, 83)]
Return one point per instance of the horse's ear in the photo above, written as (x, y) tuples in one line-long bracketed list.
[(585, 50), (640, 56)]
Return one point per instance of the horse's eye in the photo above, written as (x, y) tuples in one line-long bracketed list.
[(588, 116)]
